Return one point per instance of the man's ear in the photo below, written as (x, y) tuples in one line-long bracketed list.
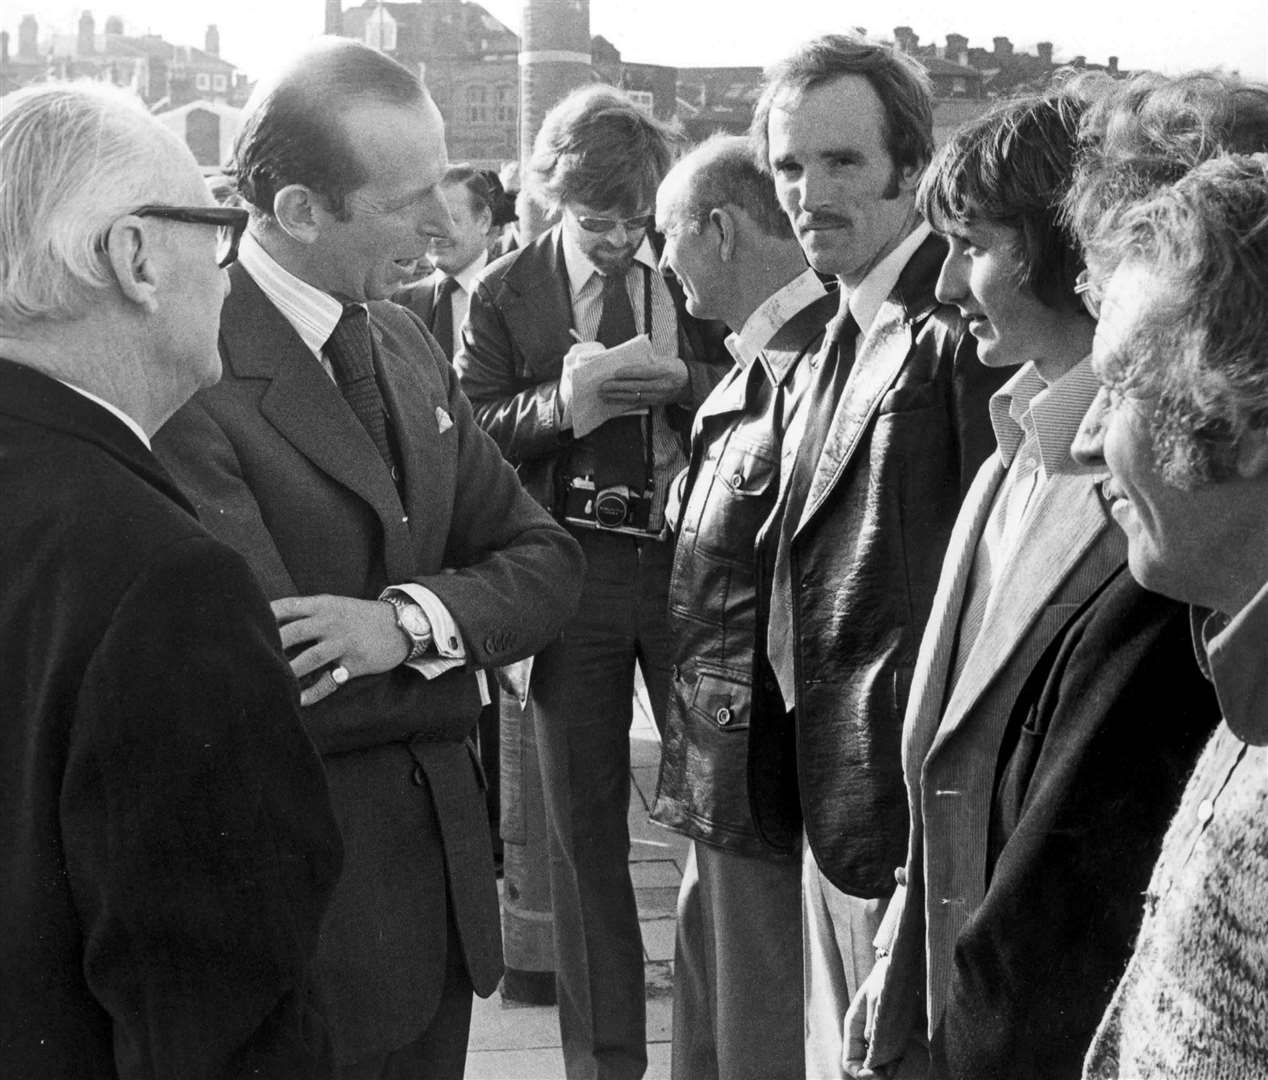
[(1252, 454), (724, 221), (909, 177), (300, 212), (129, 247)]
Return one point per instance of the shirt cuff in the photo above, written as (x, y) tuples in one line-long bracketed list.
[(444, 631)]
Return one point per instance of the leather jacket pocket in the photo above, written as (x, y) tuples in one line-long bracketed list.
[(721, 700), (739, 496)]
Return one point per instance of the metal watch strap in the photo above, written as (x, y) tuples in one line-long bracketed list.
[(418, 645)]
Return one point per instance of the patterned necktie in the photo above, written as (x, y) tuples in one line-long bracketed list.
[(442, 326), (351, 354), (820, 403), (619, 450)]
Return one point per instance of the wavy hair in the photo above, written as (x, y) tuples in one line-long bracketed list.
[(1202, 351)]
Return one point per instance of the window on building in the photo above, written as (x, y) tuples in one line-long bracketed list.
[(507, 96), (643, 99), (380, 30), (959, 87), (477, 104), (202, 81), (219, 83)]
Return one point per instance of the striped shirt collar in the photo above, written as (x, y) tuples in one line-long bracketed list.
[(1054, 413), (314, 314), (769, 318), (581, 270)]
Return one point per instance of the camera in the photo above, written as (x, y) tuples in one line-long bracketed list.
[(617, 508)]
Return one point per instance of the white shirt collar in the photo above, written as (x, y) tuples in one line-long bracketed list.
[(866, 298), (769, 318), (581, 269), (314, 314), (132, 424), (466, 277)]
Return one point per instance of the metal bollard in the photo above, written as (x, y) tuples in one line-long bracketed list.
[(528, 937)]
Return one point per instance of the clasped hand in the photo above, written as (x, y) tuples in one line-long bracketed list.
[(646, 384), (359, 635)]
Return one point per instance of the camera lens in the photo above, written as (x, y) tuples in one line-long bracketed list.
[(611, 506)]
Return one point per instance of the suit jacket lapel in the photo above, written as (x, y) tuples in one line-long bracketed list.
[(1067, 520), (929, 680), (427, 457), (301, 401), (539, 305), (879, 360)]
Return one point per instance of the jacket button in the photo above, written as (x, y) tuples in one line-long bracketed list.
[(417, 775), (737, 481), (724, 716)]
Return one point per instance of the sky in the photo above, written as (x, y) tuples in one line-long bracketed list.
[(1167, 35)]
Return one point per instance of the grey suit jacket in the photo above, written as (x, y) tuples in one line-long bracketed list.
[(279, 467), (951, 745)]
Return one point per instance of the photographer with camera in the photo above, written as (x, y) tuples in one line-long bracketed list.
[(580, 360)]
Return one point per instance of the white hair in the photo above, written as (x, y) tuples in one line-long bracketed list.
[(73, 157)]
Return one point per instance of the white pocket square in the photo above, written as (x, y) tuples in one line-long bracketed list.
[(443, 420)]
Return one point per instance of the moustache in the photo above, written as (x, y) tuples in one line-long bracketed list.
[(823, 221)]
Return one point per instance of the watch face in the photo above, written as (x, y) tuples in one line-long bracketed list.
[(415, 622)]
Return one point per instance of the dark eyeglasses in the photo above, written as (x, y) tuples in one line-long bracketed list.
[(607, 224), (229, 221)]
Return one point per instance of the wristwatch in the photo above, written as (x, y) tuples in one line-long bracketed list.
[(413, 623)]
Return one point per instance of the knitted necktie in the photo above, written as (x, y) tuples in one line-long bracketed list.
[(442, 327), (619, 451), (351, 355), (819, 402)]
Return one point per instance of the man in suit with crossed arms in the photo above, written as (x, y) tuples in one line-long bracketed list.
[(340, 456), (894, 427), (737, 954)]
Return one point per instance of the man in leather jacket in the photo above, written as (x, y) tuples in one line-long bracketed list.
[(737, 957), (894, 430)]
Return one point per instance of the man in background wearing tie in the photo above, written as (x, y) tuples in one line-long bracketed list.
[(340, 457), (474, 199), (893, 430), (593, 277)]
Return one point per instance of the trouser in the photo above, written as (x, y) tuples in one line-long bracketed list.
[(737, 969), (583, 692), (440, 1050), (838, 933)]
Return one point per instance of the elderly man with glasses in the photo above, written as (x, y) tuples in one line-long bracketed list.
[(538, 318), (167, 847)]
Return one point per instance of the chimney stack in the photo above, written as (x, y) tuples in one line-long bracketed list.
[(28, 32), (212, 43), (1112, 66), (334, 17), (1044, 49), (1003, 48), (906, 39), (87, 43)]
